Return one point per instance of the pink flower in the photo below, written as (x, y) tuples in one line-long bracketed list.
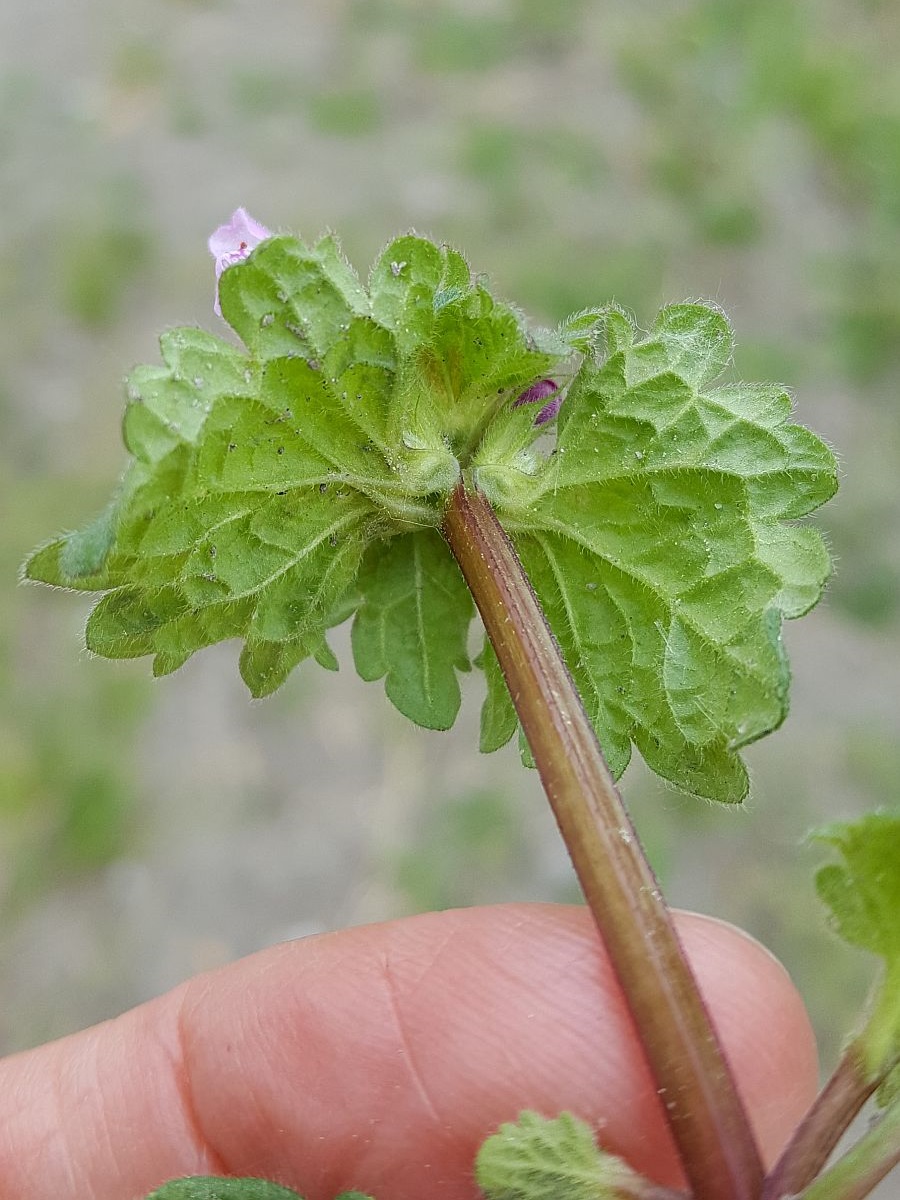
[(231, 243), (544, 389)]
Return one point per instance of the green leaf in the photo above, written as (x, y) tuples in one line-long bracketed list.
[(542, 1159), (287, 299), (507, 459), (212, 1187), (77, 560), (655, 538), (402, 287), (863, 892), (269, 568), (498, 717), (265, 665), (412, 625), (863, 895), (582, 330), (170, 404), (209, 1187), (695, 341)]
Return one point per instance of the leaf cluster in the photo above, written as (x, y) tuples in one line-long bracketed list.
[(277, 489)]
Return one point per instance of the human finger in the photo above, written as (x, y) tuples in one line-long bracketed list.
[(378, 1059)]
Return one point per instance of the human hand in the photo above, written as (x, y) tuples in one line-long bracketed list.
[(380, 1057)]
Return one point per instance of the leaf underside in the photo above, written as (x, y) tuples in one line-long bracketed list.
[(278, 489)]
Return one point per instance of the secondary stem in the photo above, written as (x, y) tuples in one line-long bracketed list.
[(701, 1103), (862, 1168), (842, 1097)]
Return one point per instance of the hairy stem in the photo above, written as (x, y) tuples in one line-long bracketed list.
[(701, 1103), (842, 1097), (862, 1168)]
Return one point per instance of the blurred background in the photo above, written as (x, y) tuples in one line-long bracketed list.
[(745, 151)]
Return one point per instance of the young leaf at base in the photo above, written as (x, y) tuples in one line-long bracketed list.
[(210, 1187), (863, 896), (537, 1158)]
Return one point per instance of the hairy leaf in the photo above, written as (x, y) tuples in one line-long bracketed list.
[(210, 1187), (863, 895), (656, 538), (537, 1158)]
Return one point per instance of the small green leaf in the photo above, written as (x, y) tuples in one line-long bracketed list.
[(286, 299), (506, 461), (209, 1187), (542, 1159), (265, 665), (337, 270), (77, 560), (863, 892), (412, 625), (83, 554), (402, 287), (582, 330), (697, 343), (863, 896), (498, 717)]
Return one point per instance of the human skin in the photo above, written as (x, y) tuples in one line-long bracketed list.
[(378, 1058)]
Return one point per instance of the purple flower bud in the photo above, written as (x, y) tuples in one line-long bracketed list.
[(549, 411), (233, 242), (538, 391), (544, 389)]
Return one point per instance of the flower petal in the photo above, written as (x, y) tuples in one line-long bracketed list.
[(233, 241)]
